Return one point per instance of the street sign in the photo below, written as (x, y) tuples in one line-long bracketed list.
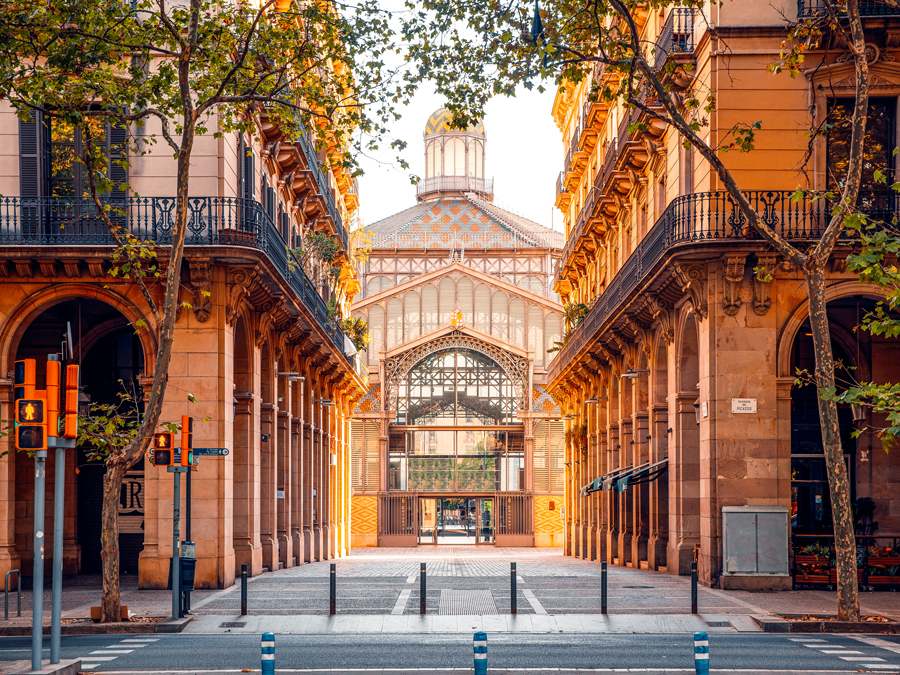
[(177, 459), (211, 452)]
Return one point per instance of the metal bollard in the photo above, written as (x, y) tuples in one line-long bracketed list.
[(512, 588), (18, 594), (333, 607), (694, 587), (603, 588), (480, 643), (701, 653), (243, 590), (422, 591), (268, 654)]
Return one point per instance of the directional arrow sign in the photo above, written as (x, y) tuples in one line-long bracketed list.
[(211, 452), (177, 456)]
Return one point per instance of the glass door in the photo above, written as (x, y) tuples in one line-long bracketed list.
[(428, 520), (485, 520)]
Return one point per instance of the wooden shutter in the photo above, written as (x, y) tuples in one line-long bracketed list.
[(551, 334), (517, 322), (411, 316), (394, 323), (429, 309), (464, 299), (248, 172), (540, 458), (557, 455), (376, 330), (447, 301), (357, 454), (30, 174), (536, 334), (118, 153), (483, 309), (373, 456), (499, 315)]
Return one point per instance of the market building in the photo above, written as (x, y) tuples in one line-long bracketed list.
[(457, 440), (688, 436)]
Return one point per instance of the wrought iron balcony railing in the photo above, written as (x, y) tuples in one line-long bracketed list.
[(211, 221), (676, 36), (807, 8), (711, 217)]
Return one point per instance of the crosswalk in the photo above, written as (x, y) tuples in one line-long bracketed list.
[(100, 657), (857, 655)]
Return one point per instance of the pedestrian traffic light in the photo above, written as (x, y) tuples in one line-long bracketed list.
[(23, 384), (187, 440), (31, 424), (52, 399), (164, 448), (70, 423)]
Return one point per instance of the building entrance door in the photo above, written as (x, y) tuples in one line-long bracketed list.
[(456, 521)]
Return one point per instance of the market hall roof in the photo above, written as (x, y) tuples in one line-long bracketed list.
[(442, 120), (468, 223)]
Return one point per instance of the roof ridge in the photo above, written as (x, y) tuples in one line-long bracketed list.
[(523, 225)]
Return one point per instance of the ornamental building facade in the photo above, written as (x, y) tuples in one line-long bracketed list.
[(688, 438), (457, 440)]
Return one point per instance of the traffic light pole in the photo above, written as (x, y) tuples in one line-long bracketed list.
[(59, 502), (176, 534), (37, 594)]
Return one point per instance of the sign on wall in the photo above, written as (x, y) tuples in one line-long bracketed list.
[(131, 504), (743, 406)]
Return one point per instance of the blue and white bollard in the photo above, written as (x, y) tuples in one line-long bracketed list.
[(701, 653), (268, 654), (480, 653)]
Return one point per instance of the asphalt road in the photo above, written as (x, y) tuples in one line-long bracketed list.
[(754, 652)]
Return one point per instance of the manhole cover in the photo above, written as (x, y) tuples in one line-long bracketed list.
[(719, 624), (467, 602), (637, 586), (232, 624)]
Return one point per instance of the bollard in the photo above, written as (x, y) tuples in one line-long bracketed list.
[(243, 590), (268, 654), (333, 607), (603, 588), (512, 588), (480, 643), (694, 587), (422, 592), (18, 594), (701, 653)]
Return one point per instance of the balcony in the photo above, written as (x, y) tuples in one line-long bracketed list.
[(676, 39), (456, 184), (707, 218), (563, 196), (211, 221), (808, 8)]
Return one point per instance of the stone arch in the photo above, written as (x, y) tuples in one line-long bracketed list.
[(515, 367), (660, 371), (688, 364)]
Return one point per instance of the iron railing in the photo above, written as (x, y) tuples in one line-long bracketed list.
[(458, 183), (211, 221), (710, 217), (561, 184), (514, 513), (676, 36), (806, 8)]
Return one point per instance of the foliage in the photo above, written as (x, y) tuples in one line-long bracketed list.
[(357, 329), (577, 436), (320, 258), (816, 549), (108, 427), (574, 313)]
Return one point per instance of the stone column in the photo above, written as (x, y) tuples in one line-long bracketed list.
[(283, 485), (659, 489), (624, 499), (9, 556), (247, 547), (639, 493), (684, 479), (297, 487), (268, 486)]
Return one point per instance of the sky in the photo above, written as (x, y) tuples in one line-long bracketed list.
[(523, 154)]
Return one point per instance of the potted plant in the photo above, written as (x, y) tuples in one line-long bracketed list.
[(884, 567), (811, 565)]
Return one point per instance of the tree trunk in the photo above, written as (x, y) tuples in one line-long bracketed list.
[(838, 480), (109, 541)]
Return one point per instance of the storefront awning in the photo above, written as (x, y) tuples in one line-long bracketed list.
[(642, 474), (604, 482)]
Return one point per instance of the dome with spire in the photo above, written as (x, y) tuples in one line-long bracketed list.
[(442, 120)]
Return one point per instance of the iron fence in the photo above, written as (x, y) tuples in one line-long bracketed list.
[(807, 8), (515, 513)]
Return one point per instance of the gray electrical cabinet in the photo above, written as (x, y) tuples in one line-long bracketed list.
[(755, 541)]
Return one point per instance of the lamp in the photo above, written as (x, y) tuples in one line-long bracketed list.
[(697, 411), (593, 399), (326, 402), (859, 412)]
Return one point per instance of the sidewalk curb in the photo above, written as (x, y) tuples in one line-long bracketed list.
[(120, 628), (775, 624)]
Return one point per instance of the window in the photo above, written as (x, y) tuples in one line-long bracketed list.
[(878, 146), (432, 159), (364, 455), (549, 456), (454, 157)]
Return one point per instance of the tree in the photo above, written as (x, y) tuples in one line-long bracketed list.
[(482, 48), (169, 72)]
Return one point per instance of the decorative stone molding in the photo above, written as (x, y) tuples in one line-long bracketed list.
[(48, 268), (71, 269), (239, 281), (734, 276), (762, 288), (661, 314), (641, 336), (262, 328), (200, 275), (692, 279)]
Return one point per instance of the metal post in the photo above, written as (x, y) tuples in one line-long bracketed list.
[(268, 654), (480, 645), (422, 592), (244, 590), (37, 594), (694, 587), (176, 557), (701, 653), (603, 588), (187, 530), (333, 589), (59, 507), (512, 588)]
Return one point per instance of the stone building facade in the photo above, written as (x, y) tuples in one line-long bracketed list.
[(271, 375), (457, 440), (680, 380)]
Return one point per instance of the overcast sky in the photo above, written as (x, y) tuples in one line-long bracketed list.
[(523, 155)]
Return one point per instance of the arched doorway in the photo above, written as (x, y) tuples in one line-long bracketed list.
[(111, 356)]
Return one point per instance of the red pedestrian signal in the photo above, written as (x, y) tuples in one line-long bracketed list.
[(163, 448), (31, 424), (187, 440), (23, 381)]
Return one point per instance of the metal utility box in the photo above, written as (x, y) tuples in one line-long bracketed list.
[(755, 541)]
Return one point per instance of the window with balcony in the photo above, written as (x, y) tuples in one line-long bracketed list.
[(878, 148)]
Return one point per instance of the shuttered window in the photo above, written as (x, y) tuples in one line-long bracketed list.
[(551, 333), (536, 334), (247, 188), (447, 300), (429, 309), (376, 285), (411, 316), (394, 323), (517, 323), (549, 456), (499, 315), (483, 309), (376, 330), (464, 299), (364, 455)]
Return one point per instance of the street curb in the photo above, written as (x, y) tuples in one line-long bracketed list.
[(119, 628), (775, 624)]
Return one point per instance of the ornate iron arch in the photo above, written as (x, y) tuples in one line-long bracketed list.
[(397, 367)]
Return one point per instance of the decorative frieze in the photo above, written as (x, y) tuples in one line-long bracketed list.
[(200, 283), (734, 276), (762, 282), (692, 279)]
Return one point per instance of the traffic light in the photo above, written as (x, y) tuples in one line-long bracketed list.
[(187, 440), (70, 422), (31, 424), (52, 399), (164, 448), (24, 379)]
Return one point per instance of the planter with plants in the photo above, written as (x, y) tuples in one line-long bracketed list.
[(884, 567), (812, 565)]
